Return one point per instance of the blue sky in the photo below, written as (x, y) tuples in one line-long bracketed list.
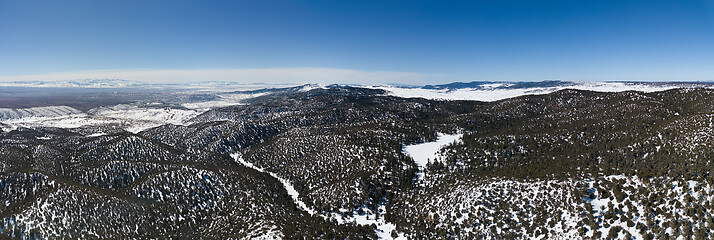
[(357, 41)]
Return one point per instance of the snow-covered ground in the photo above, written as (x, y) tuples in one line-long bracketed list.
[(600, 206), (477, 206), (51, 111), (424, 152), (130, 117), (223, 101), (491, 92), (138, 119), (384, 228), (68, 121)]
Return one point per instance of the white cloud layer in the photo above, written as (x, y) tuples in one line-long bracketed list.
[(246, 75)]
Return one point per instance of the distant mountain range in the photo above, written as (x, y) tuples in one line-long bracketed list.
[(83, 83), (122, 83), (475, 85), (488, 85)]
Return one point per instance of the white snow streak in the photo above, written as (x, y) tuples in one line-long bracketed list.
[(384, 228), (289, 187)]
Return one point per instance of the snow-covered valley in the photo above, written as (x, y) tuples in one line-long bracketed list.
[(133, 117)]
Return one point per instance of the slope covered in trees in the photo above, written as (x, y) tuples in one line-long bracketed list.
[(570, 164)]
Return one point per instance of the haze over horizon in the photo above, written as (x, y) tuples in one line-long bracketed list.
[(362, 42)]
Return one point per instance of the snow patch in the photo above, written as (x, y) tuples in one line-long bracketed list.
[(424, 152), (97, 134), (384, 229), (224, 101), (309, 87), (138, 119)]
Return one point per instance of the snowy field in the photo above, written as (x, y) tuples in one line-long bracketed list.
[(492, 92), (131, 117), (423, 153)]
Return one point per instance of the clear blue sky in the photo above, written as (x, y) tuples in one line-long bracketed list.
[(443, 41)]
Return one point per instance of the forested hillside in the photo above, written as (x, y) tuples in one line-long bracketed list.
[(298, 164)]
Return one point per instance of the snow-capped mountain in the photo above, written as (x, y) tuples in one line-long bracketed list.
[(79, 83), (122, 83), (491, 85), (493, 91)]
